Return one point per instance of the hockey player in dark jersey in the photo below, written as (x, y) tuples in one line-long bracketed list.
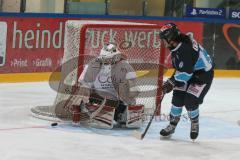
[(191, 80)]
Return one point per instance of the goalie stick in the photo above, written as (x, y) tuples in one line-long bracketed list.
[(138, 134)]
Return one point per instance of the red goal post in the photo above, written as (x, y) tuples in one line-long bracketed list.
[(139, 42)]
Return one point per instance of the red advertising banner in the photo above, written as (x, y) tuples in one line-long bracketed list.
[(37, 44), (33, 44)]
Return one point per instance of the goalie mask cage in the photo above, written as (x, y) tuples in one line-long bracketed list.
[(83, 41)]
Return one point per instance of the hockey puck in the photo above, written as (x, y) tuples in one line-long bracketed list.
[(54, 124)]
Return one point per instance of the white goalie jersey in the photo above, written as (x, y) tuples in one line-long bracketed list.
[(114, 79)]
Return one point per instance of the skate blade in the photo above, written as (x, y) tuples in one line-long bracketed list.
[(137, 134), (165, 137)]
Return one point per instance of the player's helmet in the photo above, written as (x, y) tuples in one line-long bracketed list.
[(169, 32), (109, 54)]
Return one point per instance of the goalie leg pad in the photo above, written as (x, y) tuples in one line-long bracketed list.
[(104, 119), (134, 116)]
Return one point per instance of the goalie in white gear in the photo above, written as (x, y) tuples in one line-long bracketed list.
[(110, 76)]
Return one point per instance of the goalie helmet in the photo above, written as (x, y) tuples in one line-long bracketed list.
[(109, 54), (169, 32)]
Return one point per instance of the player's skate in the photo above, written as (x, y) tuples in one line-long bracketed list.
[(194, 129), (170, 129)]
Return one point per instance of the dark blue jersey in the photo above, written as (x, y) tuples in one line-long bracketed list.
[(188, 59)]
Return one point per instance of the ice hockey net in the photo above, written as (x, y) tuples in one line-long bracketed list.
[(83, 41)]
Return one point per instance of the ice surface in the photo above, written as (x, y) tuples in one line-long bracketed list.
[(23, 137)]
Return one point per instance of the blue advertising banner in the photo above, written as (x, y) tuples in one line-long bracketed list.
[(205, 12), (234, 14)]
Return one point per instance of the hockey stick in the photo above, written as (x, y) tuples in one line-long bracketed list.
[(138, 134)]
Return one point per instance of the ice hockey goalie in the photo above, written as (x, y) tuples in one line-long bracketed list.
[(107, 92)]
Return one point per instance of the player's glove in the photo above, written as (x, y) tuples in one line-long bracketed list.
[(168, 86)]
